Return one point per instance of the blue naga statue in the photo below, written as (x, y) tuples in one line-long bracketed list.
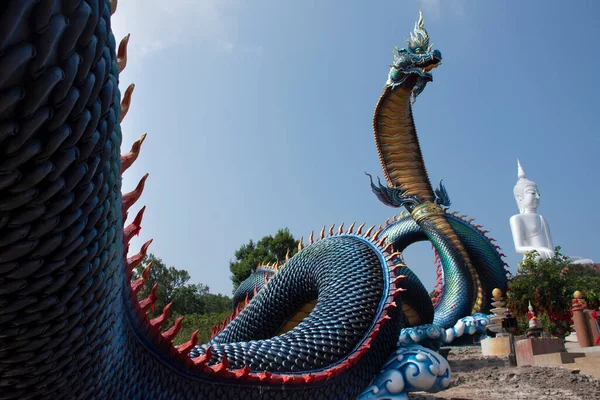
[(339, 320)]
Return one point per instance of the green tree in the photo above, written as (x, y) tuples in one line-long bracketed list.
[(549, 285), (269, 249), (203, 323), (173, 287)]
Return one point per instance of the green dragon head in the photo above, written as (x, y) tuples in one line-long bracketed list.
[(411, 67)]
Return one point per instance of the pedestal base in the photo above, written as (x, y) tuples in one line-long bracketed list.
[(498, 346), (527, 348)]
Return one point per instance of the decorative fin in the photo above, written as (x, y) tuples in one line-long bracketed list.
[(441, 195), (137, 285), (130, 198), (341, 229), (311, 237), (126, 102), (393, 197), (322, 234), (122, 53), (135, 260), (185, 348), (350, 228), (150, 300), (359, 231), (134, 228), (173, 331), (166, 313), (129, 158), (300, 244)]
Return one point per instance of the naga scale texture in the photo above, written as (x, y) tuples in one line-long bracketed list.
[(71, 325)]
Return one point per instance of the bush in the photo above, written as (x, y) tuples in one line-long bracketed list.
[(549, 286)]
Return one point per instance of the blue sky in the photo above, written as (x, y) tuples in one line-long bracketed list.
[(259, 117)]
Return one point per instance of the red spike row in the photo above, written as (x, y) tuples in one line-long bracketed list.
[(357, 355), (395, 267), (166, 313), (242, 373), (150, 300), (134, 228), (292, 379), (502, 255), (321, 377), (136, 259), (126, 102), (130, 198), (137, 285), (122, 52), (338, 369), (185, 348), (221, 366), (128, 159), (170, 334), (384, 318), (388, 248), (204, 358)]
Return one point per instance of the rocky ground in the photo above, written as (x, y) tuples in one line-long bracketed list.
[(475, 376)]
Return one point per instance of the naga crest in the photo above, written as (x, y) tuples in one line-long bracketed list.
[(414, 61)]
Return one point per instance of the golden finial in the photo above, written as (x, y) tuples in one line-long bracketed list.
[(497, 294)]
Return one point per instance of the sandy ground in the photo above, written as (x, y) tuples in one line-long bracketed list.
[(475, 376)]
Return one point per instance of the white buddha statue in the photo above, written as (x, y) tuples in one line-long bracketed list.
[(529, 229)]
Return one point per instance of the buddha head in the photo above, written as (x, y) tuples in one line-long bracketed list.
[(526, 192)]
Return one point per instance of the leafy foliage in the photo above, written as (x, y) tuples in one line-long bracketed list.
[(201, 322), (549, 285), (269, 249), (187, 298)]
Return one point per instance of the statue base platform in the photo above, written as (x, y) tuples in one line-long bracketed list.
[(527, 348), (498, 346)]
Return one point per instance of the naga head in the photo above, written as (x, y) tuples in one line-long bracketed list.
[(412, 64)]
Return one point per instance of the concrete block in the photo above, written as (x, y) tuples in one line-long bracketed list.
[(557, 359), (527, 348), (498, 346)]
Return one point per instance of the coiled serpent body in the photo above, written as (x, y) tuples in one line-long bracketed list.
[(71, 325)]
